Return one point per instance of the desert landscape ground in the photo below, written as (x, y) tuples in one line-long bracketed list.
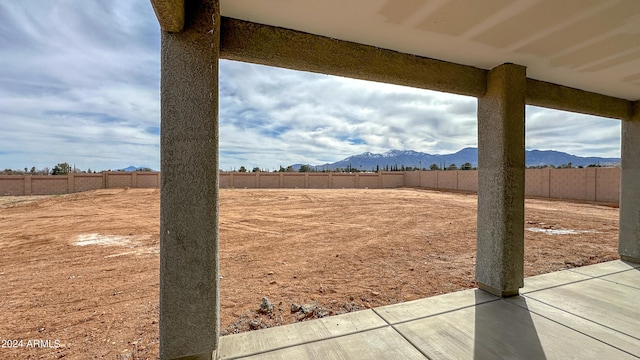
[(80, 272)]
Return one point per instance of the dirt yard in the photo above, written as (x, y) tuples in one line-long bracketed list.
[(79, 272)]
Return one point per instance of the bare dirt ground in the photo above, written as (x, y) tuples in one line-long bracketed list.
[(79, 272)]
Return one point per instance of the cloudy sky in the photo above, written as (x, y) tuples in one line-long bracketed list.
[(79, 83)]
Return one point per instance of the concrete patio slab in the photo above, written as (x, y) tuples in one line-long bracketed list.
[(628, 278), (603, 302), (501, 330), (546, 281), (416, 309), (563, 315), (606, 268), (295, 334), (384, 343), (605, 334)]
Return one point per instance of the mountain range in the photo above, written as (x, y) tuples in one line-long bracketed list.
[(410, 158), (134, 168)]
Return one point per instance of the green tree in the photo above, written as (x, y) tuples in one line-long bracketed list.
[(61, 169), (452, 167), (305, 168), (242, 169), (256, 169), (466, 166), (434, 167)]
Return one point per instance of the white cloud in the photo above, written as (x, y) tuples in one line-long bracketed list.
[(79, 82)]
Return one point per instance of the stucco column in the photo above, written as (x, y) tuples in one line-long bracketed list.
[(629, 234), (189, 275), (500, 229)]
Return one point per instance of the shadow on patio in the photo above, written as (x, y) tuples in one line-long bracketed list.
[(590, 312)]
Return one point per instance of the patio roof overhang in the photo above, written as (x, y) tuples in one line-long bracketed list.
[(575, 55), (581, 55)]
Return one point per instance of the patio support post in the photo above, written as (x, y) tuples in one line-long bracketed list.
[(189, 275), (501, 164), (629, 235)]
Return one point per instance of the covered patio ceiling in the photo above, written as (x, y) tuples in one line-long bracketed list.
[(592, 45)]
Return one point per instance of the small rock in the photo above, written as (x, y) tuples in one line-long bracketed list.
[(266, 306), (255, 324), (270, 273), (301, 316), (307, 309), (349, 307), (295, 308), (375, 293)]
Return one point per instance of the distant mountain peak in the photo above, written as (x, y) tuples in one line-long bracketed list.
[(133, 168), (410, 158)]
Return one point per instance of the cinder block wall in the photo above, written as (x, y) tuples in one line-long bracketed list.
[(534, 181), (119, 180), (429, 179), (268, 180), (63, 184), (147, 180), (568, 184), (448, 180), (294, 181), (368, 181), (590, 184), (392, 179), (319, 181), (412, 178), (607, 184), (344, 181), (47, 185), (467, 180), (86, 182), (11, 185)]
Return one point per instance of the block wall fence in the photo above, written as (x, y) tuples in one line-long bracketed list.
[(65, 184), (588, 184)]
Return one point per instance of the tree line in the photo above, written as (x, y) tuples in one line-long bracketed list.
[(352, 169), (58, 169), (395, 167)]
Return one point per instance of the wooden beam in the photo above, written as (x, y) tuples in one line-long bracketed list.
[(170, 14), (559, 97), (275, 46)]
